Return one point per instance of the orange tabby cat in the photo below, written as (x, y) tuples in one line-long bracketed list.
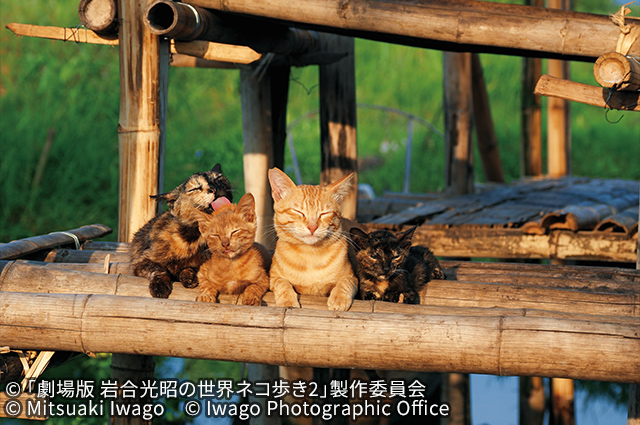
[(238, 265), (312, 252)]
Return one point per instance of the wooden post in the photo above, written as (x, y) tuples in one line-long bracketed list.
[(144, 71), (264, 111), (144, 64), (633, 413), (487, 141), (338, 144), (264, 99), (457, 121), (532, 402), (562, 403), (531, 114), (559, 118), (456, 392)]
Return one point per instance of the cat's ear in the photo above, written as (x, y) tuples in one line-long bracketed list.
[(359, 238), (247, 207), (281, 184), (340, 189), (217, 169), (202, 218), (406, 236), (169, 197)]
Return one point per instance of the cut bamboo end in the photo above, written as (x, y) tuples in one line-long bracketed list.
[(100, 16), (615, 70)]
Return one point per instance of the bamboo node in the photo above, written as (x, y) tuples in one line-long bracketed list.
[(628, 33)]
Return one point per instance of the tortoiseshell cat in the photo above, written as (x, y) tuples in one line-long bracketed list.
[(170, 247), (312, 252), (238, 265), (390, 269)]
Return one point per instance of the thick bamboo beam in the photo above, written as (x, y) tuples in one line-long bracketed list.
[(592, 299), (100, 16), (301, 337), (584, 93), (200, 49), (86, 256), (465, 25), (22, 247), (338, 118)]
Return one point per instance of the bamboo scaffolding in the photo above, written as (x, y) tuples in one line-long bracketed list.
[(496, 345), (582, 297), (467, 25), (22, 247), (584, 93), (200, 49)]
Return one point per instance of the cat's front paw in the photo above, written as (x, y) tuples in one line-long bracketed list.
[(208, 297), (290, 300), (339, 301), (188, 277), (250, 299), (438, 274), (160, 286)]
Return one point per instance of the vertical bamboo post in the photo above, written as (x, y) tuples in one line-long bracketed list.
[(485, 132), (457, 122), (562, 403), (258, 140), (532, 402), (559, 124), (144, 70), (531, 114), (338, 144), (129, 367), (633, 413), (455, 391), (264, 111)]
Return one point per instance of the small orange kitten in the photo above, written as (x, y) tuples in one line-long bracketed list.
[(238, 265), (312, 252)]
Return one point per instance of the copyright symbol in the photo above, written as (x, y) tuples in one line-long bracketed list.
[(13, 389), (12, 408), (192, 408)]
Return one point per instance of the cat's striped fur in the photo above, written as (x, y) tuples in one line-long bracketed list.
[(312, 251)]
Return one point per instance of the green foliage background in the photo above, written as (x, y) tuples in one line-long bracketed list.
[(73, 89)]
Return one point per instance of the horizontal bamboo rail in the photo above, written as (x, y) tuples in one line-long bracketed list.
[(498, 345), (22, 247), (20, 276), (463, 25), (201, 49), (585, 93)]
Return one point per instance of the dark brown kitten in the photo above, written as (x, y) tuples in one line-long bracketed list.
[(390, 269), (170, 247)]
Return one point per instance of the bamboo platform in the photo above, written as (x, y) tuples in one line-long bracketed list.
[(567, 218)]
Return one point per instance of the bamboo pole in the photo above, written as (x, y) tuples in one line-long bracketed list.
[(20, 276), (457, 121), (200, 49), (559, 115), (185, 22), (338, 134), (86, 256), (615, 70), (485, 132), (144, 61), (473, 26), (22, 247), (100, 16), (531, 115), (263, 138), (562, 402), (532, 401), (302, 337), (584, 93)]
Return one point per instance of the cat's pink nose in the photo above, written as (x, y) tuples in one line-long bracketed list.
[(312, 227)]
